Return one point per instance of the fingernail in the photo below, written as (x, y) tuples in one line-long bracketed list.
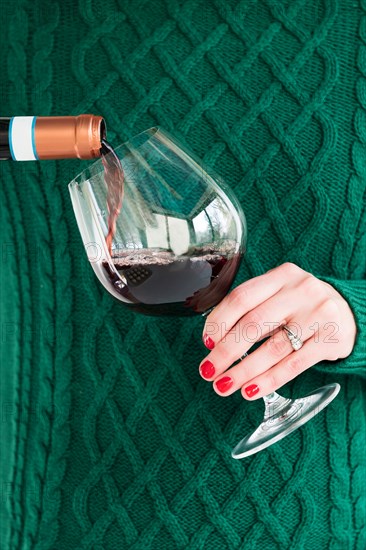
[(224, 384), (209, 343), (207, 369), (251, 390)]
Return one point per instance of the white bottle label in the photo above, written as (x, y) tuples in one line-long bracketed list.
[(22, 139)]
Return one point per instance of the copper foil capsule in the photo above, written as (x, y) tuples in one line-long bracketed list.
[(61, 137)]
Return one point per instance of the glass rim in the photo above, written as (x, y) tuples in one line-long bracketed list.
[(96, 169)]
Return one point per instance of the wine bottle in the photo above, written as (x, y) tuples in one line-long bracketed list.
[(51, 137)]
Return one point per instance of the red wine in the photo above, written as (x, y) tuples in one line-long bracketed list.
[(159, 283), (155, 281), (114, 179)]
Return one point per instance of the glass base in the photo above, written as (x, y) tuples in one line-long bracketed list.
[(283, 416)]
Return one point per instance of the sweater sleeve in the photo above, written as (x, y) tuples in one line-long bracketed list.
[(354, 292)]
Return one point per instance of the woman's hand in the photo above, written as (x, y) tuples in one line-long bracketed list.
[(258, 308)]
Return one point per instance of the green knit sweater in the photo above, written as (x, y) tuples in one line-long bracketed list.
[(110, 439)]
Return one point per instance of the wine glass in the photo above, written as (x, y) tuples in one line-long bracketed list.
[(175, 248)]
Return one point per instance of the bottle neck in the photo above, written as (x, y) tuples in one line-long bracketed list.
[(46, 138), (5, 153)]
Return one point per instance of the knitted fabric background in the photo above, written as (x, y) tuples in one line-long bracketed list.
[(109, 437)]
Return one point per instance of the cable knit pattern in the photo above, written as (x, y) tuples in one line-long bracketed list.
[(17, 66), (112, 439), (55, 378)]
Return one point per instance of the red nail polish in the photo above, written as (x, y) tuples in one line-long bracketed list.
[(207, 369), (224, 384), (251, 390), (209, 343)]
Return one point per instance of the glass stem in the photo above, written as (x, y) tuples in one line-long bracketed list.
[(274, 404)]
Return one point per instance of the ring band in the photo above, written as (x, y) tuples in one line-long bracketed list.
[(294, 340)]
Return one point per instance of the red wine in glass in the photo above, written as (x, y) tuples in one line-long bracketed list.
[(159, 283)]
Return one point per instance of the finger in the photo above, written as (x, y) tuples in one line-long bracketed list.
[(241, 300), (269, 354), (256, 325), (246, 297), (294, 364)]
